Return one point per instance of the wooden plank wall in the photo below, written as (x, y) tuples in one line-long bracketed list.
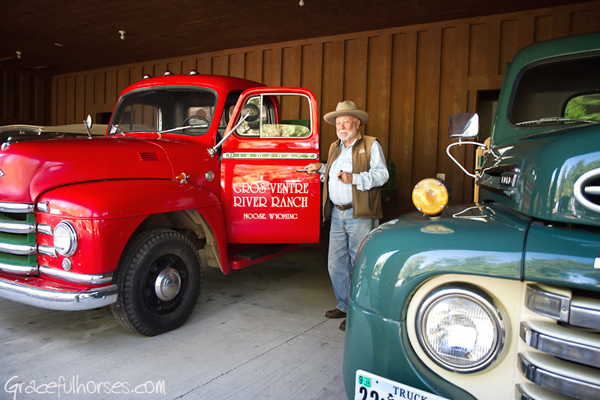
[(25, 96), (409, 79)]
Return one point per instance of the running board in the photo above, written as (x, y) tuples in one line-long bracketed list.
[(246, 255)]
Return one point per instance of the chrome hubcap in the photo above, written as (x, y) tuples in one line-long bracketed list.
[(167, 284)]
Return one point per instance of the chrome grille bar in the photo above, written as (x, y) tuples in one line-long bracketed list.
[(18, 208), (18, 249), (18, 228), (541, 369), (560, 342)]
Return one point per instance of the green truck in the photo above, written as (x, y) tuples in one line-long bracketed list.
[(498, 299)]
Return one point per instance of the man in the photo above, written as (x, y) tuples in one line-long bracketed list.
[(353, 177)]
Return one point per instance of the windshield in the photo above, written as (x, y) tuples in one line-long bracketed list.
[(186, 111), (562, 92)]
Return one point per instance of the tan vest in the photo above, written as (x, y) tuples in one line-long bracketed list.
[(365, 204)]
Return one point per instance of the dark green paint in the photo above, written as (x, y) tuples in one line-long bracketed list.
[(534, 231)]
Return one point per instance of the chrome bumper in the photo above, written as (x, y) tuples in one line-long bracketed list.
[(58, 300)]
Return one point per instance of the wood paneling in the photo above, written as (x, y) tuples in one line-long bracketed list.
[(25, 96), (409, 79)]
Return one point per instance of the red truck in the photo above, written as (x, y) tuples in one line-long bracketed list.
[(194, 171)]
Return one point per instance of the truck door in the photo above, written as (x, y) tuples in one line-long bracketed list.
[(265, 198)]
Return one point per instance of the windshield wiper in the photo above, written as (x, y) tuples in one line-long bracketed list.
[(181, 128), (555, 119)]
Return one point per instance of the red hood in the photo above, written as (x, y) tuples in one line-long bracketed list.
[(31, 168)]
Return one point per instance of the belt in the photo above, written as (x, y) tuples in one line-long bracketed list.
[(344, 207)]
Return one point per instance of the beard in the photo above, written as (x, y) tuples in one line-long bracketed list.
[(350, 135)]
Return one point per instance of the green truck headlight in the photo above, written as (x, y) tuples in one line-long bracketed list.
[(460, 328), (65, 239)]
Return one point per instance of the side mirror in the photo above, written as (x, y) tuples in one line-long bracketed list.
[(249, 113), (463, 125), (252, 111), (88, 123)]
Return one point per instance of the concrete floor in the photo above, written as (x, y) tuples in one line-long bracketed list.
[(258, 333)]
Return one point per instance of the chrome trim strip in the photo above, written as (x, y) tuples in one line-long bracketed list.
[(593, 190), (27, 270), (57, 300), (529, 391), (18, 249), (521, 393), (585, 317), (95, 279), (549, 342), (45, 229), (42, 206), (271, 155), (18, 228), (555, 382), (16, 207), (47, 250)]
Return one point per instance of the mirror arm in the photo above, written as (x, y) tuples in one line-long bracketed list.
[(88, 124), (460, 143), (213, 150)]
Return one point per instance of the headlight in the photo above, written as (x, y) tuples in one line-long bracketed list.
[(460, 328), (65, 239), (431, 196)]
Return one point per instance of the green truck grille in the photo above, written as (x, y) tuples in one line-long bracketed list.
[(18, 247)]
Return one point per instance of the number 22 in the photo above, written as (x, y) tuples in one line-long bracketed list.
[(364, 392)]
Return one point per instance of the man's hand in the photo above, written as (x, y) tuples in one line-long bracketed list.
[(313, 168), (345, 177)]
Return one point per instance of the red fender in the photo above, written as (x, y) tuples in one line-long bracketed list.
[(106, 213)]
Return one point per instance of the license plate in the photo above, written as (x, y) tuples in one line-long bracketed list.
[(373, 387)]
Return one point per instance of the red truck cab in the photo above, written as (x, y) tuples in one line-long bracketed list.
[(194, 171)]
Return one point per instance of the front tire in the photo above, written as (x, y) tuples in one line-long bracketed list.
[(159, 279)]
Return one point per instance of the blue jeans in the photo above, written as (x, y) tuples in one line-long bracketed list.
[(345, 237)]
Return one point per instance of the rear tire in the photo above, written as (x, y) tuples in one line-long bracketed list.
[(159, 279)]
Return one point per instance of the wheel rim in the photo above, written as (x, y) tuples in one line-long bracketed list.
[(166, 284)]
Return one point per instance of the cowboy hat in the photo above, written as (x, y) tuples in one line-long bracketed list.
[(346, 107)]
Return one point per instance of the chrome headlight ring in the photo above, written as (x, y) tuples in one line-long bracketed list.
[(65, 239), (461, 328)]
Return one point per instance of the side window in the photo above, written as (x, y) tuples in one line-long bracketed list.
[(281, 116), (584, 107), (265, 105)]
